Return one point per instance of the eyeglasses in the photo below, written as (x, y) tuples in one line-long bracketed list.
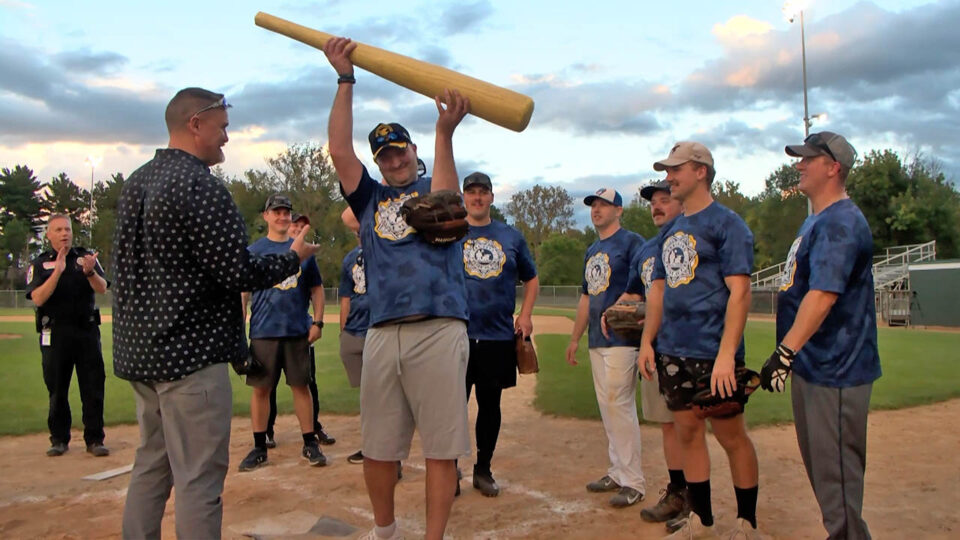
[(817, 141), (218, 104)]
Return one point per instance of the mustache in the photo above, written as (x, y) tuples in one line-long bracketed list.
[(658, 213)]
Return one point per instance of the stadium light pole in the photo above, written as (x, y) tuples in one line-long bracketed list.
[(791, 10), (93, 161)]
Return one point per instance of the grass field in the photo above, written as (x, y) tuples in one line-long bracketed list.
[(919, 367)]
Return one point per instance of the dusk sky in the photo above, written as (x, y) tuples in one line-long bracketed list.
[(615, 83)]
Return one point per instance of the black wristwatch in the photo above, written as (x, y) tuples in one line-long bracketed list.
[(318, 324)]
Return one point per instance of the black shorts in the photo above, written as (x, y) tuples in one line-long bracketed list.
[(678, 377), (492, 362), (291, 354)]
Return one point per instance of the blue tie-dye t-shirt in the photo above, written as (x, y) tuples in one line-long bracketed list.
[(642, 265), (283, 310), (406, 276), (833, 252), (695, 254), (353, 285), (494, 257), (606, 276)]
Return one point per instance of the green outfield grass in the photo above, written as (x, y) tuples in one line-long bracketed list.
[(919, 367)]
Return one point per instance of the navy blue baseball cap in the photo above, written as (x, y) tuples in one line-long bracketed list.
[(647, 191), (609, 195), (384, 135)]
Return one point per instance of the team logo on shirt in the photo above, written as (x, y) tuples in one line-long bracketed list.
[(359, 279), (289, 283), (30, 274), (680, 258), (388, 222), (483, 257), (597, 273), (790, 268), (646, 272)]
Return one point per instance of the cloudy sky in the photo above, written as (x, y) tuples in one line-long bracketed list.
[(615, 82)]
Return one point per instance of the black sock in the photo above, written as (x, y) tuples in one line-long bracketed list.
[(677, 479), (309, 438), (747, 504), (260, 439), (700, 501)]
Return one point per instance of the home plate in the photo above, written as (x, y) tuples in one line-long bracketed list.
[(293, 524), (110, 473)]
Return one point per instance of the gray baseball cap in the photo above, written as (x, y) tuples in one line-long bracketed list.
[(477, 179), (277, 201), (647, 191), (825, 143)]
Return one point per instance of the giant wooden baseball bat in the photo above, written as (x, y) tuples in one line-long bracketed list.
[(503, 107)]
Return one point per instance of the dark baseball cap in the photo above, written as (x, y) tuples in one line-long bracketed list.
[(609, 195), (277, 201), (385, 135), (295, 217), (825, 143), (647, 191), (477, 179)]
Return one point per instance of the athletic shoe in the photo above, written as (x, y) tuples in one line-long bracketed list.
[(690, 527), (98, 450), (323, 438), (459, 478), (356, 458), (256, 458), (271, 442), (604, 484), (57, 449), (626, 497), (312, 453), (673, 503), (742, 531), (484, 483), (372, 535), (399, 471)]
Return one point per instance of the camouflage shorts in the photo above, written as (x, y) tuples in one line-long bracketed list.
[(678, 377)]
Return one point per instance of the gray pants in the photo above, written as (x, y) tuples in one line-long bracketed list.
[(831, 428), (184, 442)]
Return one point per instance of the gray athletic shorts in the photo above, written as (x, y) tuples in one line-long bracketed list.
[(652, 402), (413, 377), (351, 354), (292, 354)]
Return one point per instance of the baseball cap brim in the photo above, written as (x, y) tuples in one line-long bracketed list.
[(588, 200), (395, 144), (647, 191), (803, 150), (663, 164)]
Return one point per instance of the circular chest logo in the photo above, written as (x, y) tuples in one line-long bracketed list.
[(388, 221), (597, 273), (680, 258), (483, 258)]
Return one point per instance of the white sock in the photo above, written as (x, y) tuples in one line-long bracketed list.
[(385, 532)]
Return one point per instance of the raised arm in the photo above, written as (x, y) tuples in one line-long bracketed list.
[(449, 117), (340, 127)]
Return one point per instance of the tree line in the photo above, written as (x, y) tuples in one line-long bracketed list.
[(905, 200)]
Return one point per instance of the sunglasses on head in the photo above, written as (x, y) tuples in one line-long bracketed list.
[(218, 104), (389, 137), (817, 142)]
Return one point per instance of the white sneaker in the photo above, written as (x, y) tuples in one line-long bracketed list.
[(372, 535), (742, 531), (694, 528)]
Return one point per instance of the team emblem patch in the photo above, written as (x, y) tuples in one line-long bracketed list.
[(680, 258), (597, 273), (790, 268), (290, 282), (30, 274), (359, 279), (646, 272), (483, 258), (388, 222)]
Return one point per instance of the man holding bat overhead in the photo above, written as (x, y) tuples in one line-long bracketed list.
[(415, 353)]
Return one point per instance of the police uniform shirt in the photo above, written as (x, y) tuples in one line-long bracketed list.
[(695, 254), (494, 256), (406, 276), (72, 301), (833, 252), (353, 284), (180, 262), (606, 276), (283, 310)]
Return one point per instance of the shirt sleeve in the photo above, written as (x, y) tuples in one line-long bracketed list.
[(359, 200), (658, 270), (346, 276), (583, 273), (526, 268), (634, 284), (311, 271), (833, 254), (34, 277), (736, 248), (219, 242)]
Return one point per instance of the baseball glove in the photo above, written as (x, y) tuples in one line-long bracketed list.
[(244, 363), (626, 319), (439, 216), (706, 405)]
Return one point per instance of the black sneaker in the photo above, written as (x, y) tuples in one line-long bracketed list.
[(323, 438), (626, 497), (57, 449), (484, 483), (604, 484), (672, 504), (356, 458), (312, 453), (271, 442), (256, 458), (459, 477), (399, 471), (98, 450)]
